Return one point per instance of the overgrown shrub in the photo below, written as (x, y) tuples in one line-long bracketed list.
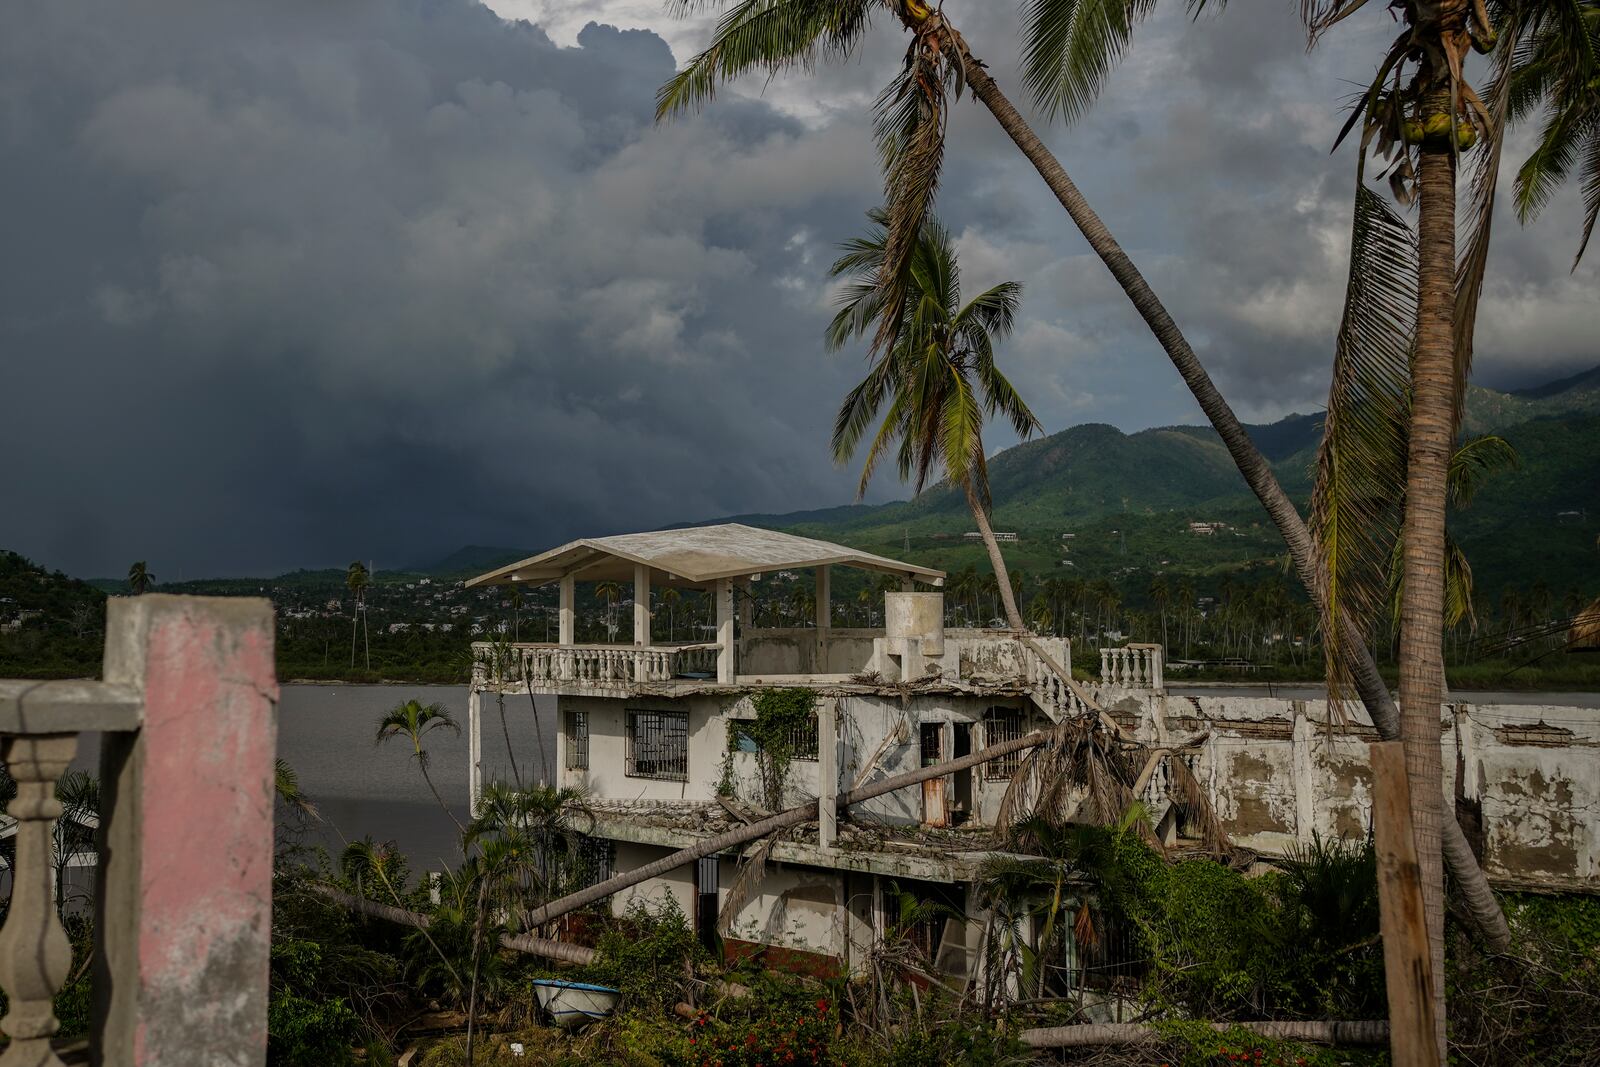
[(648, 955), (305, 1026), (1541, 1004), (781, 716)]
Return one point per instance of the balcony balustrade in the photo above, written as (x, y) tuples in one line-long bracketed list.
[(1134, 666), (183, 902), (550, 668)]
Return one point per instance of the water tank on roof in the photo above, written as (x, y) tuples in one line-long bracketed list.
[(919, 615)]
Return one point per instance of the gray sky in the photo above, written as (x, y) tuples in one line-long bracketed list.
[(283, 284)]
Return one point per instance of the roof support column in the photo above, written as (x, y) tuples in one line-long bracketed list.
[(824, 616), (641, 605), (722, 590), (569, 610)]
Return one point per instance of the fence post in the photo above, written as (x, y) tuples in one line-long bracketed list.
[(1407, 960), (184, 908)]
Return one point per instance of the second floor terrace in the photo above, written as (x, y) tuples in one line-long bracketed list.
[(720, 562)]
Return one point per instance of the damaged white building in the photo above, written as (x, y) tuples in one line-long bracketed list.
[(654, 734)]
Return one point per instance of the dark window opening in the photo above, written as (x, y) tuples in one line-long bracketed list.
[(577, 740), (1001, 725), (658, 745)]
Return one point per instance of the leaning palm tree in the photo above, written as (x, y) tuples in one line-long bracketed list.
[(937, 383), (414, 721), (1063, 38), (140, 579)]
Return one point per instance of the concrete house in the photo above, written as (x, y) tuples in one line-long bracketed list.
[(657, 736), (652, 733)]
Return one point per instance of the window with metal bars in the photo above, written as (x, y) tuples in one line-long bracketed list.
[(596, 859), (658, 745), (1000, 725), (577, 740), (803, 742)]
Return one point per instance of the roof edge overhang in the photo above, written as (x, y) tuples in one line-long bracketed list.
[(546, 567)]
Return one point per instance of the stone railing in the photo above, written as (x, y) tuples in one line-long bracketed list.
[(551, 668), (1135, 666), (1052, 684), (183, 902)]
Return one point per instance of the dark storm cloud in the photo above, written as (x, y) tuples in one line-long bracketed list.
[(300, 282), (288, 283)]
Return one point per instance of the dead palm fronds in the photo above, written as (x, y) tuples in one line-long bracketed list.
[(1081, 773)]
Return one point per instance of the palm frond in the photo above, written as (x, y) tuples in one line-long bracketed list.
[(1355, 505), (1478, 222), (1069, 48), (1458, 587), (910, 129), (769, 35), (1475, 460)]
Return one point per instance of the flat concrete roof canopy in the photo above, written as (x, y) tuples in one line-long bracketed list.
[(694, 556)]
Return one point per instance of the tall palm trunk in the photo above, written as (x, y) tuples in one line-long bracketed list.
[(1002, 578), (1427, 467), (428, 778), (1374, 694)]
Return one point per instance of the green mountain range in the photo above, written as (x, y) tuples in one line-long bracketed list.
[(1128, 499)]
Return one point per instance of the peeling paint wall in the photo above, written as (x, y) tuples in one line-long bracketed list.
[(793, 650), (606, 775), (1276, 773), (677, 885), (794, 907)]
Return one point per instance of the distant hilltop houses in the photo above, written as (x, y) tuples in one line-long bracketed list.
[(999, 535), (1206, 529)]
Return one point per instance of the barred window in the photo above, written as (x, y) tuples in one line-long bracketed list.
[(803, 742), (658, 745), (577, 740), (1001, 725), (596, 859)]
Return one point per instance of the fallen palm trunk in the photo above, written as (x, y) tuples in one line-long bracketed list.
[(1335, 1032), (744, 834), (532, 946)]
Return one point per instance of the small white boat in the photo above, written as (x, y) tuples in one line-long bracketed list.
[(574, 1004)]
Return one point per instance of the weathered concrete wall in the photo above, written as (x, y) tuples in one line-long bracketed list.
[(879, 737), (1277, 774), (678, 885), (793, 650), (794, 907), (607, 774)]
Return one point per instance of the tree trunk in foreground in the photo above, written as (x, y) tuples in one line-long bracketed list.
[(1428, 451), (740, 835), (531, 946), (1474, 886), (1335, 1032), (1002, 577)]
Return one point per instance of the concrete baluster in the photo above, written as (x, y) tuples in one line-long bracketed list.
[(35, 956)]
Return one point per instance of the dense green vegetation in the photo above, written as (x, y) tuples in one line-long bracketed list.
[(1133, 566), (1184, 938)]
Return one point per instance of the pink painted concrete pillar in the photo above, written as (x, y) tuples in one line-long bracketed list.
[(184, 911)]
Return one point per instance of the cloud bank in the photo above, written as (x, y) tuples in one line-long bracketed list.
[(286, 284)]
